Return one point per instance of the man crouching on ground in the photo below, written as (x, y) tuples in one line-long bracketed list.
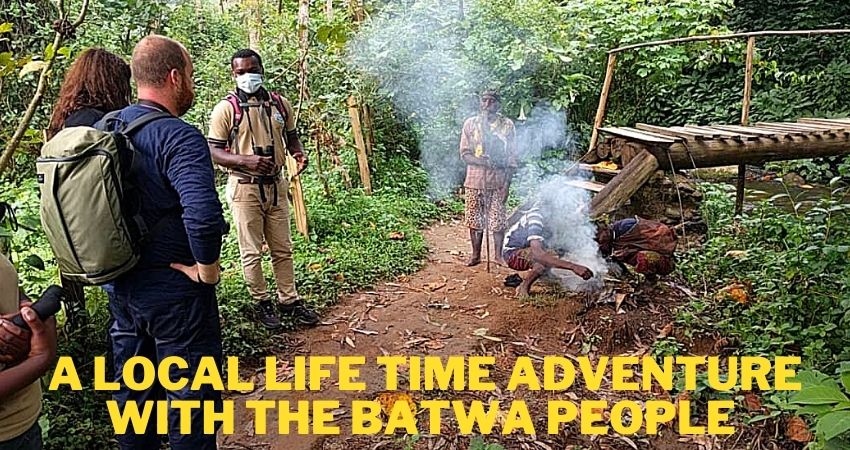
[(525, 249)]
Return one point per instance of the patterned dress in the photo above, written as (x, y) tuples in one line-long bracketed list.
[(487, 187)]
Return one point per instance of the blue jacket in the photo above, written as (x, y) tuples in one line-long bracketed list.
[(179, 202)]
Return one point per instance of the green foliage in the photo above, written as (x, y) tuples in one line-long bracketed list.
[(797, 264), (478, 443), (827, 401)]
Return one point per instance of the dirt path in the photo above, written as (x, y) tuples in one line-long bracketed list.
[(443, 310)]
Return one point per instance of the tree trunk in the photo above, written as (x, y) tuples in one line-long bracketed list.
[(254, 23)]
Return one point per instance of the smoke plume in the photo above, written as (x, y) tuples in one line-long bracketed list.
[(417, 55)]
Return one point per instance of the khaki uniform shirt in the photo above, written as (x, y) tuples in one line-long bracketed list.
[(254, 118), (501, 151), (19, 411)]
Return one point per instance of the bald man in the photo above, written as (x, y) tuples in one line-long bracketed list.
[(166, 305)]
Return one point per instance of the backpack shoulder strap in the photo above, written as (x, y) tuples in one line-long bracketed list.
[(278, 103), (145, 119), (236, 104), (105, 122)]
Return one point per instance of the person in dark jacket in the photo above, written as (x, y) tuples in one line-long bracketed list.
[(166, 305)]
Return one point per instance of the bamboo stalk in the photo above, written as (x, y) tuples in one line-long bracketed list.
[(362, 158), (725, 37), (745, 120), (603, 101)]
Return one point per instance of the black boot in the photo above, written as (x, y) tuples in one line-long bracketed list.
[(477, 237), (266, 314), (300, 312)]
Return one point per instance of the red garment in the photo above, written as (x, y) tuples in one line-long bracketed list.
[(648, 246)]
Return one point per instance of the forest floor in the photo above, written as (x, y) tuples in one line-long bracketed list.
[(450, 309)]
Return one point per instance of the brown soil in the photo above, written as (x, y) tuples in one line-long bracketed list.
[(449, 309)]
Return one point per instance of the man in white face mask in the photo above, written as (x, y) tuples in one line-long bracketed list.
[(251, 131)]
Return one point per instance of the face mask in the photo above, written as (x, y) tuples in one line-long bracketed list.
[(249, 83)]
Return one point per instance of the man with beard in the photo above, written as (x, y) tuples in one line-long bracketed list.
[(488, 147), (251, 132), (166, 305)]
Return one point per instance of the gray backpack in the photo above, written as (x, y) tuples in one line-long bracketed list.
[(90, 209)]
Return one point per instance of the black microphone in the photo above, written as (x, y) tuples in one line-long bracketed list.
[(49, 304)]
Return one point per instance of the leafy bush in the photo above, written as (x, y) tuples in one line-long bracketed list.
[(824, 399), (797, 265)]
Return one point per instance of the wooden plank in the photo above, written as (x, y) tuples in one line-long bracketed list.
[(660, 136), (827, 122), (795, 126), (734, 135), (746, 130), (641, 168), (821, 127), (599, 170), (787, 131), (842, 121), (697, 134), (666, 131), (299, 206), (589, 185), (638, 135), (715, 134)]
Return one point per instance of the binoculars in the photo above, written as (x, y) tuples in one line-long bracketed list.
[(268, 150)]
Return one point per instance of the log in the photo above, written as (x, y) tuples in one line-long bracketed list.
[(628, 152), (631, 178), (715, 153), (362, 158), (603, 150)]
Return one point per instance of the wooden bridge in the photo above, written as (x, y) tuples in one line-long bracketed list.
[(644, 148)]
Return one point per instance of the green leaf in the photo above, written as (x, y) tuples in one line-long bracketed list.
[(323, 33), (32, 66), (6, 27), (819, 395), (845, 380), (64, 51), (834, 424), (814, 410), (34, 261), (49, 52)]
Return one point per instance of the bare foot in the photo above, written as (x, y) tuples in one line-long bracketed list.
[(522, 291), (501, 262), (473, 262)]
